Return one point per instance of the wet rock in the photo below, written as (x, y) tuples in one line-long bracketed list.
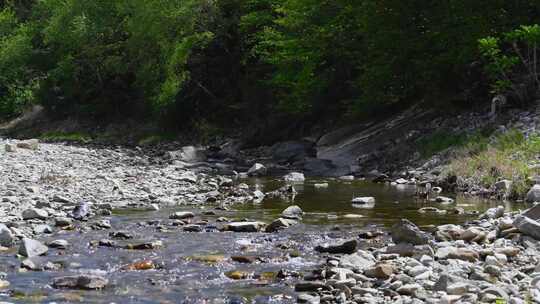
[(39, 229), (59, 244), (294, 177), (534, 194), (192, 228), (346, 247), (406, 232), (237, 275), (30, 144), (6, 236), (145, 246), (10, 148), (244, 259), (257, 170), (431, 210), (292, 212), (258, 196), (81, 211), (31, 248), (346, 178), (493, 213), (444, 200), (211, 259), (81, 282), (320, 185), (35, 213), (245, 226), (124, 235), (142, 265), (181, 215), (367, 200), (280, 223)]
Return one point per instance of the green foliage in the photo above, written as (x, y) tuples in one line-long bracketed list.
[(512, 62), (66, 136)]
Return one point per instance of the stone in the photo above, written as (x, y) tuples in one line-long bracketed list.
[(458, 289), (367, 200), (188, 176), (35, 213), (473, 234), (310, 286), (280, 223), (10, 148), (6, 236), (292, 212), (81, 211), (258, 196), (496, 292), (320, 185), (30, 144), (86, 282), (359, 260), (294, 177), (380, 271), (244, 226), (347, 178), (533, 212), (181, 215), (59, 244), (527, 226), (257, 170), (308, 299), (62, 221), (493, 213), (444, 200), (463, 254), (192, 228), (409, 289), (533, 195), (346, 247), (405, 231), (31, 248)]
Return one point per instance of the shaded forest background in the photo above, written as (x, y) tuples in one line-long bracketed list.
[(278, 66)]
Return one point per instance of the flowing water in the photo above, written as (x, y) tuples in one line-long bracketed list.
[(192, 266)]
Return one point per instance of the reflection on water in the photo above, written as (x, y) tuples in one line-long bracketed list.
[(193, 265)]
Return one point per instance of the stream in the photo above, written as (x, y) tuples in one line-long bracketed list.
[(196, 267)]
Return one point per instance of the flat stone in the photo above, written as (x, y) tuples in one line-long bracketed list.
[(244, 226), (365, 200), (87, 282), (310, 286), (181, 215), (444, 200), (6, 236), (59, 244), (380, 271), (346, 247)]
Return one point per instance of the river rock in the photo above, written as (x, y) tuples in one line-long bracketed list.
[(6, 236), (493, 213), (81, 282), (366, 200), (292, 212), (35, 213), (308, 299), (257, 170), (380, 271), (309, 286), (405, 231), (294, 177), (31, 248), (320, 185), (244, 226), (59, 244), (444, 200), (534, 194), (359, 260), (280, 223), (30, 144), (181, 215), (527, 226), (10, 147), (81, 211), (346, 247), (533, 212)]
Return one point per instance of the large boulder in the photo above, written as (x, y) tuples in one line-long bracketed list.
[(405, 231), (31, 248), (292, 151), (257, 170), (533, 195), (527, 226), (292, 212), (6, 236)]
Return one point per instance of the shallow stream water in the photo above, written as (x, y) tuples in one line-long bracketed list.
[(192, 265)]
